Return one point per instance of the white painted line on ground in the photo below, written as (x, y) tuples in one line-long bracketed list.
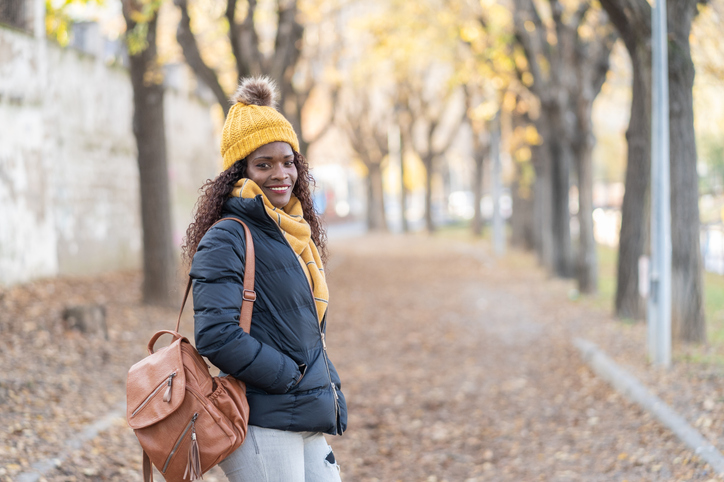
[(89, 432), (631, 388)]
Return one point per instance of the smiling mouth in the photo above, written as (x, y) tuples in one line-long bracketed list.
[(278, 189)]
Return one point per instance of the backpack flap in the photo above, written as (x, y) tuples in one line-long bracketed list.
[(156, 386)]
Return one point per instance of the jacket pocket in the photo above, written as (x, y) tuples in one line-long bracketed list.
[(302, 371)]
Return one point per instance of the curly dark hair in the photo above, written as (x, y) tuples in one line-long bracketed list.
[(215, 192)]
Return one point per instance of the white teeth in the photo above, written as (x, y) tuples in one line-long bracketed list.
[(278, 189)]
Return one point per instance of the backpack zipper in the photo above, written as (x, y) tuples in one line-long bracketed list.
[(167, 382), (180, 439), (167, 394)]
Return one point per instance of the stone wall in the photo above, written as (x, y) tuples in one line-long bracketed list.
[(69, 197)]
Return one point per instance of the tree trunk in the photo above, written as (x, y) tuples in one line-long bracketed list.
[(635, 215), (632, 19), (560, 156), (543, 200), (428, 163), (587, 266), (376, 218), (498, 223), (522, 219), (590, 78), (687, 311), (563, 254), (479, 158), (149, 130), (587, 269), (405, 143), (403, 188)]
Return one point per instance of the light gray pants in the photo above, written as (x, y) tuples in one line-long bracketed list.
[(269, 455)]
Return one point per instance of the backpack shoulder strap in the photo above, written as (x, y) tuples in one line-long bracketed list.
[(249, 295), (147, 468)]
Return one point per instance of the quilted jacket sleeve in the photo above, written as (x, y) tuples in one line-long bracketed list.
[(217, 271)]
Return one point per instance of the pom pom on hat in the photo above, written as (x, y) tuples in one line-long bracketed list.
[(261, 91), (253, 121)]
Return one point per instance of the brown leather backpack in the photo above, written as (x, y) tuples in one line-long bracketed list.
[(186, 420)]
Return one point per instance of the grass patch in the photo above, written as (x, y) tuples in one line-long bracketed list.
[(460, 231), (703, 356), (714, 308), (607, 258)]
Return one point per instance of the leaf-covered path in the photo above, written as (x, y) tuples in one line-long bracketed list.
[(456, 367)]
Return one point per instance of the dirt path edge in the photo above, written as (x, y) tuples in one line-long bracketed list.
[(628, 386), (90, 432)]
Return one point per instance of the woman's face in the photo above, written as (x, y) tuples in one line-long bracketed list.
[(272, 168)]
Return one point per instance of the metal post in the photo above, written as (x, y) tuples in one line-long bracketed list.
[(652, 305), (659, 306)]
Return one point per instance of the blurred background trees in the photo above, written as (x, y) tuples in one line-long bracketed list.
[(567, 62), (286, 40), (366, 129), (633, 21), (414, 101)]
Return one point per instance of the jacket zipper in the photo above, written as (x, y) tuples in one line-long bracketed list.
[(329, 374), (322, 337), (167, 382), (180, 439)]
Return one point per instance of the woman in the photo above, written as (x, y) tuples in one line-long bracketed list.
[(293, 389)]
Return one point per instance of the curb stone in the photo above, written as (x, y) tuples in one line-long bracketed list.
[(628, 386)]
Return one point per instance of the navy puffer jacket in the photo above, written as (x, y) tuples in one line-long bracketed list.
[(285, 333)]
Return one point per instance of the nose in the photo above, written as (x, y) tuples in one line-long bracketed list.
[(278, 171)]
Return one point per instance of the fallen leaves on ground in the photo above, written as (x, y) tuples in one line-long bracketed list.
[(456, 366)]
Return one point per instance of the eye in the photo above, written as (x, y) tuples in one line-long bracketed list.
[(261, 165), (289, 163)]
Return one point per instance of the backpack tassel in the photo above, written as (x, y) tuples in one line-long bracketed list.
[(193, 466)]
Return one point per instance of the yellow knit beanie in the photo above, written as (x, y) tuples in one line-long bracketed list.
[(253, 121)]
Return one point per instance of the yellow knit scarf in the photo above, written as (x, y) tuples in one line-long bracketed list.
[(297, 232)]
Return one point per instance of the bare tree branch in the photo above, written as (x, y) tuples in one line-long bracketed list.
[(192, 54), (286, 45), (556, 11), (328, 125), (532, 42), (244, 40), (235, 39), (598, 61), (580, 13), (631, 18)]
